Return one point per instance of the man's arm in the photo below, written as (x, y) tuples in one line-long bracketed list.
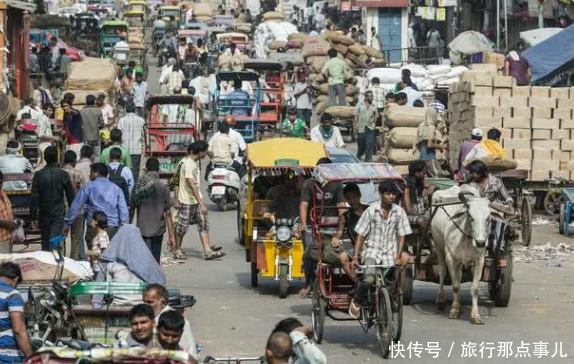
[(123, 212), (20, 334), (129, 176), (303, 206), (507, 67), (528, 74), (69, 189), (77, 204), (339, 138)]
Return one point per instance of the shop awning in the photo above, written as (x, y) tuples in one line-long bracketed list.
[(552, 56), (22, 5)]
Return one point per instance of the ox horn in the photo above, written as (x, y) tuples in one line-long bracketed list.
[(463, 195)]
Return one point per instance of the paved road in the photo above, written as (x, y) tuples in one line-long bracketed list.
[(231, 318)]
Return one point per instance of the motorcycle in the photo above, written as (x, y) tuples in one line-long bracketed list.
[(223, 184), (166, 53)]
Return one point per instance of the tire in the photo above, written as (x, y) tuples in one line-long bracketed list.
[(254, 274), (222, 205), (317, 313), (283, 281), (384, 324), (397, 314), (407, 284), (500, 293), (551, 203), (562, 219), (526, 221)]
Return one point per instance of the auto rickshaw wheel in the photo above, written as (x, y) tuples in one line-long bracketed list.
[(283, 281), (317, 313), (501, 288), (254, 274), (222, 205), (526, 221), (407, 284)]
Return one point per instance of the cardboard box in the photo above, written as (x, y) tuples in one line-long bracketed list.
[(502, 92), (546, 144), (484, 67), (522, 112), (567, 145), (540, 91), (485, 101), (522, 154), (541, 102), (560, 134), (545, 154), (566, 124), (514, 101), (542, 112), (505, 133), (503, 81), (521, 91), (540, 123), (484, 111), (494, 58), (545, 165), (562, 156), (510, 144), (502, 112), (487, 122), (560, 92), (562, 114), (539, 175), (541, 134), (566, 103), (520, 123), (522, 133), (482, 79), (483, 90), (524, 164), (560, 174)]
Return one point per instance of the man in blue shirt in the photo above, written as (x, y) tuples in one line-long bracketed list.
[(238, 94), (14, 342), (99, 195)]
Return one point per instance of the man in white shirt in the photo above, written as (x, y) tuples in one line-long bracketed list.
[(13, 162), (303, 99), (326, 133), (132, 127), (319, 19), (125, 172), (236, 136), (222, 148), (31, 108)]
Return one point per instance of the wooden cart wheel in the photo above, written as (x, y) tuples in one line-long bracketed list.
[(526, 221), (501, 288), (562, 219), (317, 313), (254, 273), (552, 203), (407, 284)]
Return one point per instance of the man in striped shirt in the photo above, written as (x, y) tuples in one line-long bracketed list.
[(14, 342)]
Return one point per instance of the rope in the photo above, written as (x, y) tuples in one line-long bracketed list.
[(455, 224)]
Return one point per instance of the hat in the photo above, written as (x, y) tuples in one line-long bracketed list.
[(476, 132)]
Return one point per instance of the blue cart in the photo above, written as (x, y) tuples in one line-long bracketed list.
[(565, 217)]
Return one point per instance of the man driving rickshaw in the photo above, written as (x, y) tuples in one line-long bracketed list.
[(416, 196)]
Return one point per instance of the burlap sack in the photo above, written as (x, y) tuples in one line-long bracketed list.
[(324, 89), (402, 137), (91, 74), (272, 15), (405, 116), (321, 107), (276, 44), (372, 52), (343, 112), (315, 46), (204, 18), (318, 63), (295, 44), (340, 48), (351, 90), (356, 49), (330, 35), (298, 36), (400, 156), (495, 164), (203, 10), (322, 98), (343, 39), (351, 57)]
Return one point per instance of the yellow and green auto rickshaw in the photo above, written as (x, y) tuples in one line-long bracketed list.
[(272, 244), (113, 31)]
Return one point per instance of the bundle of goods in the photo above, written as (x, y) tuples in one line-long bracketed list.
[(91, 77), (425, 77), (536, 122), (203, 12), (271, 35)]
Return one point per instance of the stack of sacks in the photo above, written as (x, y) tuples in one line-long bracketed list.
[(203, 12), (400, 128), (271, 35), (136, 38), (426, 78)]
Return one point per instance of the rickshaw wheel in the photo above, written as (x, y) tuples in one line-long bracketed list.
[(551, 202), (283, 281), (500, 293), (397, 308), (254, 274), (407, 285), (562, 219), (317, 313), (384, 324), (526, 221)]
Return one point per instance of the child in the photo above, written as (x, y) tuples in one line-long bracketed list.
[(101, 241), (293, 126)]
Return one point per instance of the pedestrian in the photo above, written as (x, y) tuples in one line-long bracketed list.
[(401, 99), (319, 19), (101, 241), (6, 220), (517, 66), (361, 37), (381, 230), (107, 111), (120, 175), (489, 147), (93, 120), (30, 108), (327, 133), (78, 180), (305, 351), (434, 42), (427, 137), (116, 139), (63, 64), (45, 60), (303, 98), (293, 126), (151, 197), (127, 83), (142, 323), (375, 40), (279, 348), (99, 195), (16, 345), (336, 71), (132, 127), (49, 186), (73, 126), (86, 160), (54, 50), (14, 162), (366, 116), (192, 210), (33, 61), (170, 330), (465, 148), (140, 94)]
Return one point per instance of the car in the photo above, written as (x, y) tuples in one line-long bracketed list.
[(369, 193)]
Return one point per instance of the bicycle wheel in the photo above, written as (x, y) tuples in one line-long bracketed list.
[(384, 322), (397, 314), (317, 313)]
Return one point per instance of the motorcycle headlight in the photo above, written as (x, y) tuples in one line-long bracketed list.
[(283, 234)]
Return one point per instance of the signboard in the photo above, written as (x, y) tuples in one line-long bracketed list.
[(446, 3), (441, 14), (346, 6)]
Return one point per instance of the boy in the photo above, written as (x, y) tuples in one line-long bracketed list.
[(293, 126)]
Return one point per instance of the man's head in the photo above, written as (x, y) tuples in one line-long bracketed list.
[(390, 98), (130, 107), (326, 121), (198, 148), (66, 106), (494, 134), (376, 81), (279, 348), (477, 170), (62, 51), (53, 41), (12, 147), (169, 329), (402, 98), (406, 76), (51, 155), (70, 158), (156, 296), (237, 84), (29, 101), (476, 134), (233, 47), (152, 165), (418, 103), (292, 113), (142, 322), (352, 194), (115, 155), (388, 191), (69, 98), (287, 325), (101, 100), (332, 53), (90, 100), (98, 170), (116, 136), (418, 170), (230, 120), (224, 128), (373, 30), (520, 47), (139, 77), (11, 274), (369, 97), (86, 151)]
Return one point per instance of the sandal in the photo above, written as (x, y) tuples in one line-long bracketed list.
[(179, 255), (215, 248), (354, 310), (213, 255)]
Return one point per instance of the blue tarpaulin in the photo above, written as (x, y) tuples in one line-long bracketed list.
[(552, 56)]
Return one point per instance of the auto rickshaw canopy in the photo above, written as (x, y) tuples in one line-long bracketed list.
[(113, 24), (345, 172), (274, 155)]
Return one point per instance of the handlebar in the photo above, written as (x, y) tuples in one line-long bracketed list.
[(229, 360)]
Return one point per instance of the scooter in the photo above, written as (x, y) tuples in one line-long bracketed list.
[(223, 184)]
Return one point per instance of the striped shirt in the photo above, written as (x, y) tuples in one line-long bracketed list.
[(438, 106), (10, 301)]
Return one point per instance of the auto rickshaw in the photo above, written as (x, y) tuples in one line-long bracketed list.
[(173, 12), (135, 18), (239, 39), (113, 31), (271, 245), (137, 5)]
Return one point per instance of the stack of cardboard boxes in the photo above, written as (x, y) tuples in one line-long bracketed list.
[(537, 123)]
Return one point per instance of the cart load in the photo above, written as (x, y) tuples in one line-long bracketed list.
[(80, 95), (41, 266), (92, 74), (64, 355)]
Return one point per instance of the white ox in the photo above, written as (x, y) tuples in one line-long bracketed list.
[(459, 234)]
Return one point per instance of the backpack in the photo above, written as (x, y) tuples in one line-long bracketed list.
[(115, 176)]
